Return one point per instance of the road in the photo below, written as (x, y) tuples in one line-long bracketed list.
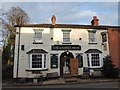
[(90, 85)]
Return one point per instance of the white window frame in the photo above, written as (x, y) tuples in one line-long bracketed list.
[(90, 60), (66, 38), (38, 35), (43, 59), (92, 35)]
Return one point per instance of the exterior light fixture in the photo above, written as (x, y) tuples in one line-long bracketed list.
[(67, 52)]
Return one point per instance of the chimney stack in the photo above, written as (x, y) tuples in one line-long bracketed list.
[(53, 19), (95, 21)]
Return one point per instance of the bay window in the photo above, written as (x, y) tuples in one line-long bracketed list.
[(37, 59), (94, 60)]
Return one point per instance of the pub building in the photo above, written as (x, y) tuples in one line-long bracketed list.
[(43, 50)]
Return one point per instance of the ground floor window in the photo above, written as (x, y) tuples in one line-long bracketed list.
[(94, 60), (37, 61), (80, 60), (54, 61)]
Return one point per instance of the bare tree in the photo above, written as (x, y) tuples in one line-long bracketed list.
[(16, 16)]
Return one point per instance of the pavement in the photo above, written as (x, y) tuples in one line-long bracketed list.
[(58, 81)]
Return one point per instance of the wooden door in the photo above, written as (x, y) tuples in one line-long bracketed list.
[(74, 67)]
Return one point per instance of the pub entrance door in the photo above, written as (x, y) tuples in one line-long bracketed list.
[(74, 67), (65, 63)]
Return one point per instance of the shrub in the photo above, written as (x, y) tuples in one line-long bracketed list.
[(108, 69)]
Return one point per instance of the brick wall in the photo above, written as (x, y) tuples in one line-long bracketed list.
[(114, 42)]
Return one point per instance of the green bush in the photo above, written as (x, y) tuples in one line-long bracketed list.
[(108, 69), (6, 54), (7, 70)]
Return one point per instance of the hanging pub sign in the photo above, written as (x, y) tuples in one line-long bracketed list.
[(66, 47)]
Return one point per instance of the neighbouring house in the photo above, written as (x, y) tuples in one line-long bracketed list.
[(114, 45), (58, 49)]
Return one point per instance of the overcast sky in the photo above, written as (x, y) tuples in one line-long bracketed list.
[(68, 12)]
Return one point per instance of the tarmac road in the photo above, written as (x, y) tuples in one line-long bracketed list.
[(88, 85)]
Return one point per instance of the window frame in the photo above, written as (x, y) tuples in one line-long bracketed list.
[(43, 63), (104, 37), (92, 35), (54, 61), (80, 60), (66, 36), (38, 35), (89, 55)]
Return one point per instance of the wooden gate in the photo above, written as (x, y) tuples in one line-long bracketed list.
[(74, 67)]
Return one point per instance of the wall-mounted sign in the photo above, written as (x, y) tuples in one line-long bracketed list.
[(66, 47)]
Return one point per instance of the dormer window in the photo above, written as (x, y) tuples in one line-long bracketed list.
[(38, 35)]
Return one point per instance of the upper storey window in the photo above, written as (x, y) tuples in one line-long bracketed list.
[(104, 37), (92, 36), (38, 35), (66, 36)]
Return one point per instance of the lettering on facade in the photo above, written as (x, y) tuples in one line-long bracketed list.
[(66, 47)]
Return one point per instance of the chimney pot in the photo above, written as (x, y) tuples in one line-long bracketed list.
[(95, 21), (94, 17), (53, 19)]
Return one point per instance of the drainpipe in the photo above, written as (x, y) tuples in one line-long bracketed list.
[(18, 52)]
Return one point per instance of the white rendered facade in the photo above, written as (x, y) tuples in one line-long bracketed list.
[(47, 45)]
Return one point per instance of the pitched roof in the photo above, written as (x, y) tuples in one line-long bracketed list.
[(68, 26)]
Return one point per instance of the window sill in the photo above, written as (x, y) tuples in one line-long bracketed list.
[(92, 43), (34, 69), (99, 67), (37, 42), (53, 68), (66, 43)]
